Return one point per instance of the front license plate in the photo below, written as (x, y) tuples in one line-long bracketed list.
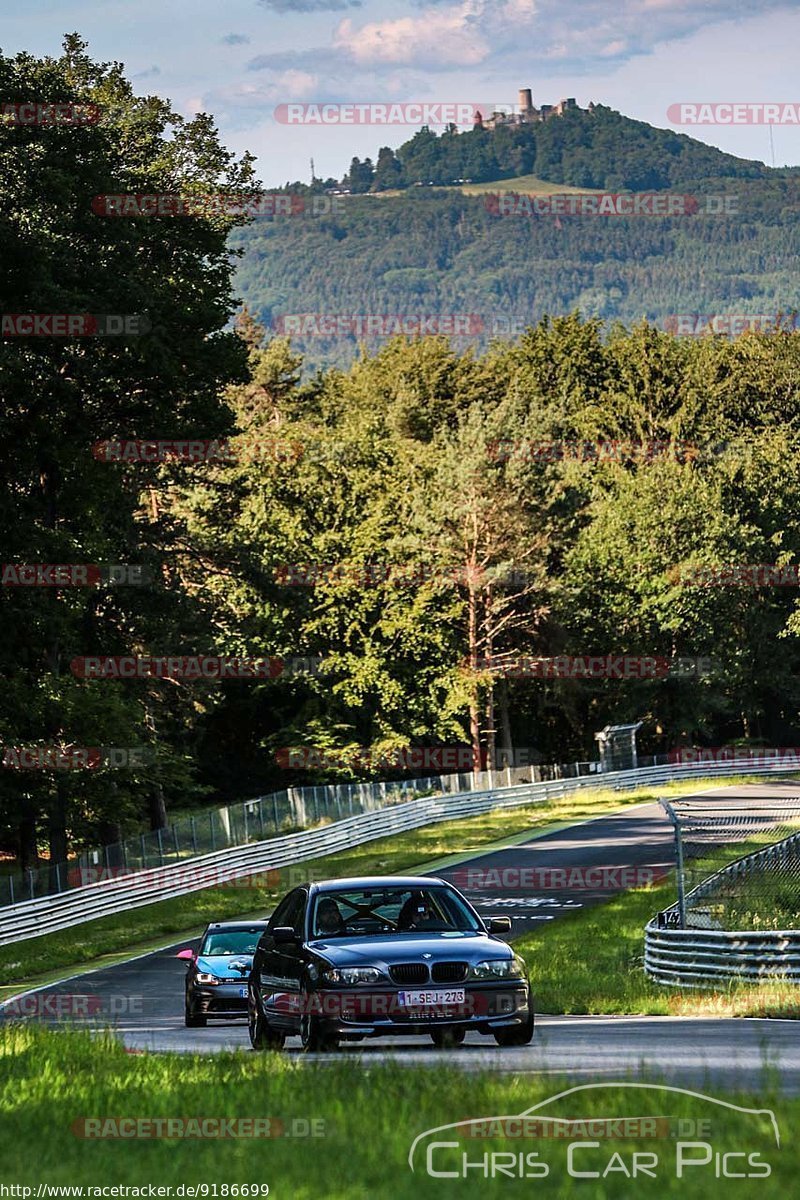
[(243, 993), (431, 999)]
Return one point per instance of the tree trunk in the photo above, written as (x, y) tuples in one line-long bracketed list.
[(505, 723), (158, 808), (57, 836), (474, 710), (28, 847)]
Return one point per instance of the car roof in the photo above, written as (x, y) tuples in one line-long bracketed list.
[(377, 881), (233, 926)]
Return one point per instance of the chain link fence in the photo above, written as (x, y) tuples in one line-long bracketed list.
[(240, 824), (738, 861)]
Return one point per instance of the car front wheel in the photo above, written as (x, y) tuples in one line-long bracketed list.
[(193, 1020), (262, 1035), (312, 1035), (516, 1035)]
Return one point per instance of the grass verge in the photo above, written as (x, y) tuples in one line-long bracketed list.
[(365, 1121)]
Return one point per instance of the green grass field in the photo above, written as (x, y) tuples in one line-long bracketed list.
[(365, 1121), (520, 183)]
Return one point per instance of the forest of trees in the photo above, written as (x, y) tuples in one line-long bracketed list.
[(419, 457), (446, 253)]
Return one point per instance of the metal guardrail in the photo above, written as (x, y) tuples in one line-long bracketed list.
[(696, 957), (283, 812), (32, 918)]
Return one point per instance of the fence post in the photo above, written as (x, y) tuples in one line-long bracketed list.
[(144, 852), (175, 840), (670, 811), (211, 826), (160, 847), (11, 887), (275, 811), (194, 835)]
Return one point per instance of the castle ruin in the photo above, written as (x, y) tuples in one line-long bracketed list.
[(526, 113)]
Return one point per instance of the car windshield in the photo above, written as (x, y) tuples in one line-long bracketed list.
[(390, 910), (230, 941)]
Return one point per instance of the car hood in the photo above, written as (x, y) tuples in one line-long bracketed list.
[(221, 965), (410, 947)]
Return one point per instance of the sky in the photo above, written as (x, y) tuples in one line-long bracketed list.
[(240, 59)]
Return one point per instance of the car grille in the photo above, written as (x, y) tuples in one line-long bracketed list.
[(409, 973), (449, 972)]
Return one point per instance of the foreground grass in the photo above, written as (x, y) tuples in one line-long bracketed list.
[(368, 1120), (592, 961), (145, 928)]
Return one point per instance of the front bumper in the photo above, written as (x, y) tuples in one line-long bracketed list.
[(365, 1012), (219, 1000)]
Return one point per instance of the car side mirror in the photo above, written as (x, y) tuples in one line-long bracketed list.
[(283, 935), (186, 954), (499, 924)]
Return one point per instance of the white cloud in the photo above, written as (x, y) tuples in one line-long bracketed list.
[(457, 35)]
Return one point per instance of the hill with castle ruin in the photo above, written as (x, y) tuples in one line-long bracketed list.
[(594, 147)]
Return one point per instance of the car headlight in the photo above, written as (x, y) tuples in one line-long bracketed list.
[(350, 975), (498, 968), (203, 977)]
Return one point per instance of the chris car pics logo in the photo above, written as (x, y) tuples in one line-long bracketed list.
[(702, 1138)]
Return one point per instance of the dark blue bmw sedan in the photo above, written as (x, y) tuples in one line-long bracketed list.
[(347, 959)]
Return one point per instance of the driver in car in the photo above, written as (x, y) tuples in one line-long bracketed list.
[(329, 919), (417, 913)]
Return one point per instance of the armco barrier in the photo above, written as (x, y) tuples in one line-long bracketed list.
[(31, 918), (697, 957)]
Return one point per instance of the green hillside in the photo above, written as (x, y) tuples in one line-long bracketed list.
[(435, 251)]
